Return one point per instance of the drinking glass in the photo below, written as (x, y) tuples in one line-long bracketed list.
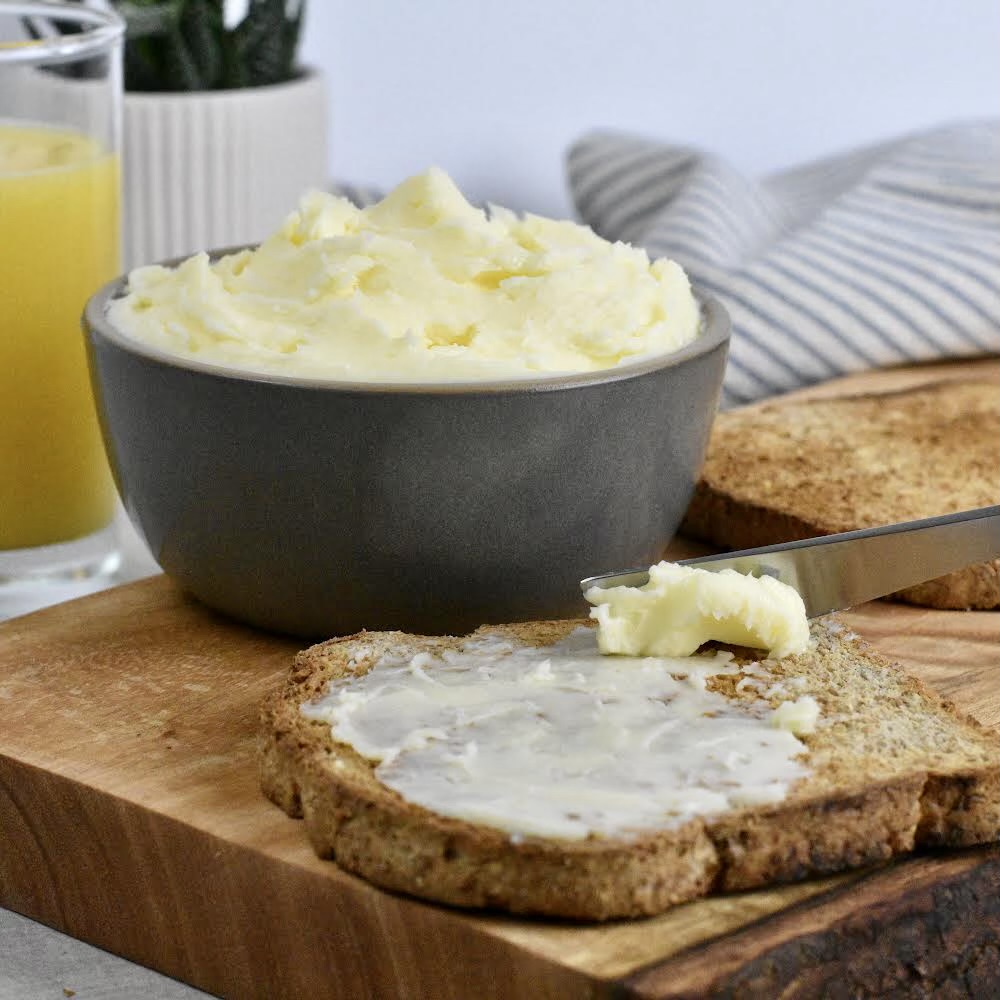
[(60, 124)]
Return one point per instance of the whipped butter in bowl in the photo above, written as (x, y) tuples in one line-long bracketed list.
[(420, 415), (421, 287)]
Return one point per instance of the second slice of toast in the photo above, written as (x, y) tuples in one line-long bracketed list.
[(795, 469)]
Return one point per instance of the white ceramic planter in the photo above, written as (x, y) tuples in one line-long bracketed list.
[(212, 169)]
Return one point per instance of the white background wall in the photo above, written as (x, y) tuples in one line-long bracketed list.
[(494, 91)]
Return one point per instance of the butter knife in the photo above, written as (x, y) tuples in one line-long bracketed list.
[(834, 572)]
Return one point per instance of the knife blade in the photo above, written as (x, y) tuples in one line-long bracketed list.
[(834, 572)]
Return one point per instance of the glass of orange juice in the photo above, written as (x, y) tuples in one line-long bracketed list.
[(60, 111)]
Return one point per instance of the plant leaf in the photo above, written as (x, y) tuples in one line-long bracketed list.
[(154, 17), (142, 66), (180, 71), (203, 32), (261, 41)]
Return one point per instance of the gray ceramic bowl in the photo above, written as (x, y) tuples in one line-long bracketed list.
[(320, 508)]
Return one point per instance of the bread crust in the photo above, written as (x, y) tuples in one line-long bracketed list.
[(788, 470), (849, 812)]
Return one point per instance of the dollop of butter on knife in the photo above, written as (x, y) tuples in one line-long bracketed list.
[(682, 607)]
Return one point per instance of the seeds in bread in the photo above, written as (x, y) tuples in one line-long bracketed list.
[(891, 767), (787, 470)]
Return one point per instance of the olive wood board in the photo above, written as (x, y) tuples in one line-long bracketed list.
[(130, 817)]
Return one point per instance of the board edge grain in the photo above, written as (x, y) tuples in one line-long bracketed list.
[(186, 914), (912, 928)]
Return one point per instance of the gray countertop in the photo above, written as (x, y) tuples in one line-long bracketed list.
[(38, 963)]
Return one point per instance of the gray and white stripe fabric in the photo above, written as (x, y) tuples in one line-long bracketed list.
[(882, 256)]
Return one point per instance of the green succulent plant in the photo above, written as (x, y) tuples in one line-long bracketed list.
[(177, 45), (185, 44)]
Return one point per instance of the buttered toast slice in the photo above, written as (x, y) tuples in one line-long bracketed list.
[(886, 767), (787, 470)]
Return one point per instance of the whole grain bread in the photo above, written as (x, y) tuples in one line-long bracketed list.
[(892, 767), (787, 470)]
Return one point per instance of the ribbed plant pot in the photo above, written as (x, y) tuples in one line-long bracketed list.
[(218, 168)]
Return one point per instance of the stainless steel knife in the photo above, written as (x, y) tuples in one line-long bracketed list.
[(833, 572)]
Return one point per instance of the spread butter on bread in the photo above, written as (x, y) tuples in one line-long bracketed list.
[(787, 470), (880, 765)]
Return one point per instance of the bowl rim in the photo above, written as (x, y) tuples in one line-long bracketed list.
[(716, 331)]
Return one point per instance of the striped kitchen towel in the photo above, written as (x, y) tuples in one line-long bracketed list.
[(885, 255)]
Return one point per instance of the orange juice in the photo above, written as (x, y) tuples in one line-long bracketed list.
[(58, 244)]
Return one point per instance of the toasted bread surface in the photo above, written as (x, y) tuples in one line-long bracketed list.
[(892, 767), (789, 470)]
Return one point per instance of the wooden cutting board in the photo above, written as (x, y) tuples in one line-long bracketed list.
[(130, 817)]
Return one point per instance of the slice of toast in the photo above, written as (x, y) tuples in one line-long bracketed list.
[(891, 767), (787, 470)]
